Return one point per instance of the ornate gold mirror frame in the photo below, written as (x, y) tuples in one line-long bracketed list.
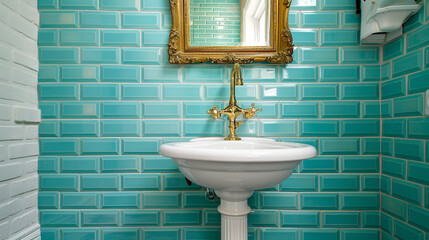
[(280, 49)]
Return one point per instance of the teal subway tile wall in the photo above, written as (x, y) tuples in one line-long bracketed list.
[(109, 99)]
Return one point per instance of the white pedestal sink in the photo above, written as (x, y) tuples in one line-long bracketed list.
[(234, 169)]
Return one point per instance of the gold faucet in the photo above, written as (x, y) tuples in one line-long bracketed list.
[(233, 111)]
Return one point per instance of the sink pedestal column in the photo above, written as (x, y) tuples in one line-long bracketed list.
[(234, 210)]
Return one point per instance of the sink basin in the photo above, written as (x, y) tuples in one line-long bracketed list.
[(234, 169)]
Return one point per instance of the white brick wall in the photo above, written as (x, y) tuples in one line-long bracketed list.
[(19, 119)]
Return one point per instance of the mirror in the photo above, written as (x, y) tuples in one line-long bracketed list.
[(230, 31), (230, 22)]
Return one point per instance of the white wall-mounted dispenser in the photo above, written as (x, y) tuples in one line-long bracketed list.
[(382, 19)]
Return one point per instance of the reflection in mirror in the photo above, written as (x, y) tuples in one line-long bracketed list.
[(230, 22)]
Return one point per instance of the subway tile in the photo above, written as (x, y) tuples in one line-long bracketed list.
[(386, 109), (147, 5), (315, 19), (63, 183), (79, 4), (386, 222), (104, 182), (141, 182), (47, 4), (394, 167), (341, 219), (279, 200), (48, 165), (393, 88), (120, 200), (195, 233), (203, 74), (339, 73), (197, 200), (355, 234), (48, 73), (120, 38), (211, 217), (144, 146), (277, 92), (161, 200), (359, 55), (80, 110), (249, 92), (264, 218), (155, 38), (325, 55), (141, 92), (99, 91), (417, 39), (349, 19), (407, 64), (313, 234), (418, 172), (338, 5), (418, 128), (100, 218), (298, 110), (415, 21), (158, 164), (339, 37), (386, 71), (108, 146), (79, 201), (370, 183), (148, 20), (203, 128), (79, 164), (50, 218), (300, 73), (360, 164), (144, 56), (319, 201), (122, 164), (418, 217), (177, 182), (341, 109), (119, 233), (404, 231), (54, 55), (385, 184), (294, 19), (340, 183), (387, 146), (161, 233), (58, 91), (280, 128), (162, 109), (370, 73), (181, 218), (183, 92), (167, 20), (410, 149), (326, 91), (360, 201), (48, 200), (76, 233), (162, 128), (360, 128), (62, 147), (305, 37), (320, 164), (47, 37), (98, 19), (121, 74), (74, 37), (124, 5), (49, 233), (120, 110), (339, 146), (49, 129), (300, 183), (371, 109), (319, 128), (161, 74), (59, 19), (394, 128), (304, 5), (371, 146), (278, 233), (100, 55), (120, 128), (394, 49), (360, 91), (139, 218), (79, 73), (79, 128), (301, 219), (410, 192), (417, 82)]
